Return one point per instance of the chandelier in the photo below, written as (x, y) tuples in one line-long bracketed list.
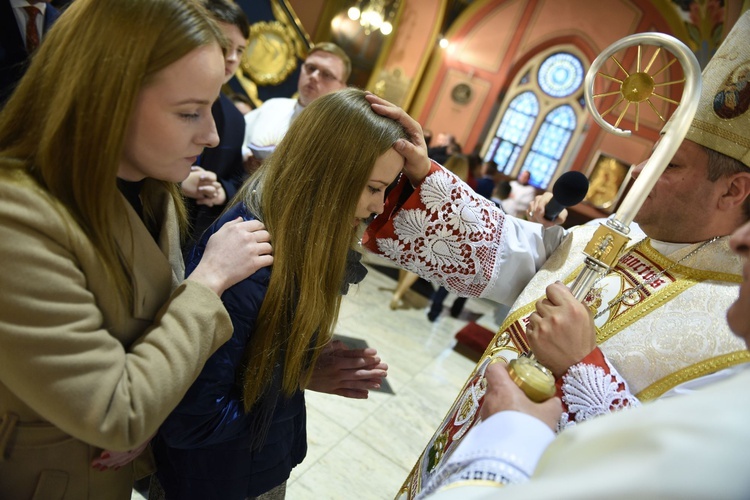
[(374, 15)]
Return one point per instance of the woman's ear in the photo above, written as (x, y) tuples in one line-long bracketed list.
[(737, 190)]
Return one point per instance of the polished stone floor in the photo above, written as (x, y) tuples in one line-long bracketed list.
[(364, 449)]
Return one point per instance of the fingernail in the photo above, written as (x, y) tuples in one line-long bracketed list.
[(105, 455)]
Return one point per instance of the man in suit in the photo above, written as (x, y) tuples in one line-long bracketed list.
[(19, 37)]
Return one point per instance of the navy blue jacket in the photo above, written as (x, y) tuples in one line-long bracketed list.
[(204, 448)]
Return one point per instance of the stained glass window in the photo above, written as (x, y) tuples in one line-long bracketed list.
[(540, 120), (513, 131), (549, 145), (561, 74)]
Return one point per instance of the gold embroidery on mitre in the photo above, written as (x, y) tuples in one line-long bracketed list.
[(692, 372)]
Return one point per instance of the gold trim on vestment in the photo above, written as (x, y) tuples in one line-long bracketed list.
[(692, 372), (700, 274), (684, 278)]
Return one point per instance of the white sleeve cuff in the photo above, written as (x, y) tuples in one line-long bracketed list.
[(511, 437)]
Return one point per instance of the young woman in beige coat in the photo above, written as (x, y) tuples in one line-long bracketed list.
[(99, 339)]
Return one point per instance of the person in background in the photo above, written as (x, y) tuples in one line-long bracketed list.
[(100, 337), (220, 171), (522, 193), (427, 137), (23, 26), (501, 197), (442, 147), (241, 428), (325, 70), (486, 182)]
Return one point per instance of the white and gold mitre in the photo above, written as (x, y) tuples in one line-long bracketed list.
[(722, 121)]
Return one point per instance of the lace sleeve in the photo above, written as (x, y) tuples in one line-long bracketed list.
[(449, 235), (591, 388), (445, 233)]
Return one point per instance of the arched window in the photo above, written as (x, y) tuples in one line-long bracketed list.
[(514, 129), (549, 145), (542, 119)]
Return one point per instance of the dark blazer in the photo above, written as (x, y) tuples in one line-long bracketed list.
[(13, 55), (225, 160)]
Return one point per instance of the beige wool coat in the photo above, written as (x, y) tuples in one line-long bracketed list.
[(78, 373)]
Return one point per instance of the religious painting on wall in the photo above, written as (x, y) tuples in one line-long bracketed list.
[(608, 177)]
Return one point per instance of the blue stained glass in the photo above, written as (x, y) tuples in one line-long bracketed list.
[(514, 129), (512, 161), (503, 153), (541, 169), (519, 118), (526, 103), (551, 141), (493, 146), (563, 116), (549, 145), (561, 74)]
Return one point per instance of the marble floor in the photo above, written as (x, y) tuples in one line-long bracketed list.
[(369, 446), (364, 449)]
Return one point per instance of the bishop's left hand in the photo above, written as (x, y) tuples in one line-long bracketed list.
[(561, 332), (350, 373)]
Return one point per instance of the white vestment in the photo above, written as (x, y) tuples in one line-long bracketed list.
[(267, 125), (693, 446)]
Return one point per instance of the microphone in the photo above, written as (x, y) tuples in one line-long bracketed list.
[(569, 189)]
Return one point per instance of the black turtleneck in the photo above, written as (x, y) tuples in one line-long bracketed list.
[(131, 190)]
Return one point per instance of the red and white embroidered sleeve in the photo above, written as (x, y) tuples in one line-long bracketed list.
[(591, 388), (444, 232)]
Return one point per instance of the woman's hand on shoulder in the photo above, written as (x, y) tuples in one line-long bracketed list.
[(237, 250)]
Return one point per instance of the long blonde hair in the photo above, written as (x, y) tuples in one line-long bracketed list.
[(306, 193), (66, 122), (459, 165)]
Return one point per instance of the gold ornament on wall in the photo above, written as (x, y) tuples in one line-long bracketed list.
[(270, 55)]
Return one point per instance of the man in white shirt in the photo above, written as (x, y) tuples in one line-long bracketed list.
[(325, 70), (522, 193)]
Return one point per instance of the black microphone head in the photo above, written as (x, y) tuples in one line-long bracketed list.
[(570, 188)]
